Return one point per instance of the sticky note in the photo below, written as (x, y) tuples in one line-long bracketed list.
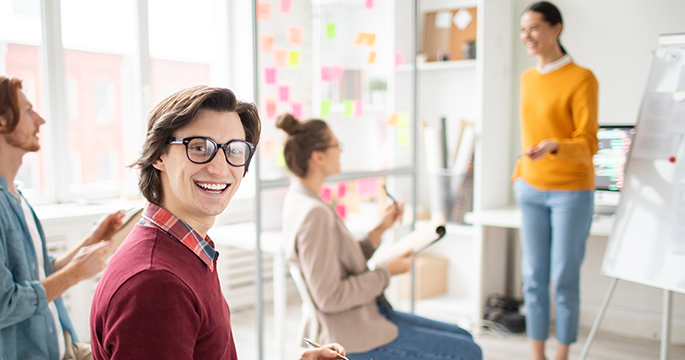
[(367, 187), (349, 107), (325, 107), (326, 194), (270, 107), (281, 58), (284, 93), (358, 109), (295, 35), (270, 75), (340, 209), (399, 58), (285, 6), (266, 43), (372, 58), (264, 11), (280, 158), (330, 30), (294, 58), (342, 189), (403, 137), (297, 110), (332, 74), (368, 4), (403, 120), (365, 39), (267, 148), (393, 119)]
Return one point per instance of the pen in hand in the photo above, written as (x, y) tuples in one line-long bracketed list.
[(311, 343), (390, 196)]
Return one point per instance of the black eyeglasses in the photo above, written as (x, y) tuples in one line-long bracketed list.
[(201, 150), (338, 145)]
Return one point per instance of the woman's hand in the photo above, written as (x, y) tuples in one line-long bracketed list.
[(105, 228), (392, 214), (329, 351), (545, 147), (401, 264)]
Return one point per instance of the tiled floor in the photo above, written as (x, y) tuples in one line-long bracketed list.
[(495, 346)]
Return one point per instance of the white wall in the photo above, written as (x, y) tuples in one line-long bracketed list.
[(614, 39)]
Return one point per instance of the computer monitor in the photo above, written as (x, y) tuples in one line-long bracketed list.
[(610, 160)]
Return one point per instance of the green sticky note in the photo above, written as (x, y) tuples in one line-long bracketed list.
[(403, 121), (330, 30), (403, 137), (280, 158), (294, 58), (325, 107), (349, 106)]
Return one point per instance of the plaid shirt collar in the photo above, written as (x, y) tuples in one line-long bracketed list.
[(203, 248)]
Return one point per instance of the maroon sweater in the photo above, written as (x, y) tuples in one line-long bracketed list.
[(158, 300)]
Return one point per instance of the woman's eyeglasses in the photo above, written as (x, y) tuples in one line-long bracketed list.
[(201, 150), (338, 145)]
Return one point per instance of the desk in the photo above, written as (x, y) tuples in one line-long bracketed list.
[(243, 236)]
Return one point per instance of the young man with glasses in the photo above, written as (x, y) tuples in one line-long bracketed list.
[(160, 297), (34, 323)]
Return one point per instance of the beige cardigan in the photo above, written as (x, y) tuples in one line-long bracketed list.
[(333, 265)]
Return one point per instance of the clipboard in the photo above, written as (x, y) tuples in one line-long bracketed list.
[(416, 241), (130, 220)]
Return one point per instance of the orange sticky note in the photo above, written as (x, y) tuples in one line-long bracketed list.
[(270, 107), (280, 58), (372, 58), (365, 39), (267, 148), (295, 35), (266, 43), (264, 11)]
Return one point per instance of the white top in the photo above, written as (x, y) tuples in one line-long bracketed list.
[(553, 65), (33, 230)]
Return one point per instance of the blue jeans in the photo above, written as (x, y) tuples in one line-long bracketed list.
[(420, 338), (554, 229)]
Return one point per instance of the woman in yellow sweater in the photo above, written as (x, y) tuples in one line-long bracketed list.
[(554, 178)]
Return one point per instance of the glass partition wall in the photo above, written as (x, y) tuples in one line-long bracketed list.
[(336, 61)]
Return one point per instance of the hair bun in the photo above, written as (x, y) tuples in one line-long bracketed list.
[(287, 123)]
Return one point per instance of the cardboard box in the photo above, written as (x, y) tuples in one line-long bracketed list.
[(430, 280)]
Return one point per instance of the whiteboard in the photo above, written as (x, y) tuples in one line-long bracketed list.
[(647, 244)]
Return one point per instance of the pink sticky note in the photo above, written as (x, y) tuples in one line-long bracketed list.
[(270, 108), (399, 58), (332, 73), (366, 187), (342, 189), (284, 93), (326, 194), (358, 108), (280, 58), (267, 148), (368, 4), (270, 75), (266, 43), (285, 6), (295, 35), (264, 11), (340, 209), (297, 110)]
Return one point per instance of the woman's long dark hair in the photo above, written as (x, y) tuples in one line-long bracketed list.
[(549, 13)]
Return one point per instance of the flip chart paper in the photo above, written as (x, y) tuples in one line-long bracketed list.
[(325, 107), (294, 58), (285, 6), (295, 35), (270, 75), (297, 110), (284, 93), (264, 11), (266, 43), (330, 30)]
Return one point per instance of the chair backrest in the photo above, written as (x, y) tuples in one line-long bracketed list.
[(309, 324)]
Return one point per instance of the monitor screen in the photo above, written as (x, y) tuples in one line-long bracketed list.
[(610, 160)]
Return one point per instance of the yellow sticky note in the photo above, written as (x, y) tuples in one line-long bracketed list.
[(349, 106), (280, 159), (365, 39), (372, 58), (294, 58), (403, 138), (403, 120), (325, 107)]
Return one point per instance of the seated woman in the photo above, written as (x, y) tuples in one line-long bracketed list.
[(348, 296)]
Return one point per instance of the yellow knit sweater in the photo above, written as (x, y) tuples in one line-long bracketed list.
[(562, 106)]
